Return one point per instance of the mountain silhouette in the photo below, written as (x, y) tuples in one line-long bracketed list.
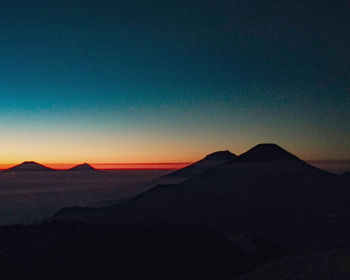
[(220, 156), (83, 167), (268, 152), (200, 166), (29, 166), (266, 191)]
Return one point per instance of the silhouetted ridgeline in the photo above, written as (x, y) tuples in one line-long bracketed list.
[(198, 167), (266, 191), (83, 167), (32, 166), (28, 166), (227, 217)]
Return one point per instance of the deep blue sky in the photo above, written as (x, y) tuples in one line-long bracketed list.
[(120, 81)]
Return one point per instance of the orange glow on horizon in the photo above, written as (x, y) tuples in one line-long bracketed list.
[(104, 166)]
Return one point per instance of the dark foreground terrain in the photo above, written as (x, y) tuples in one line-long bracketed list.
[(158, 251), (321, 265)]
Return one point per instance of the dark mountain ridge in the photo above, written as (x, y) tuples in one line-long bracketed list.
[(82, 167), (268, 152), (31, 166), (202, 165), (266, 191), (220, 155)]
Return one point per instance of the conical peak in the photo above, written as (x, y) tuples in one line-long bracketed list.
[(268, 152), (221, 155), (83, 167), (29, 166)]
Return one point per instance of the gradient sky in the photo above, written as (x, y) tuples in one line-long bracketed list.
[(168, 81)]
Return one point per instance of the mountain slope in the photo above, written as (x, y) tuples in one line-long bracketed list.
[(269, 193), (83, 167), (29, 166), (200, 166), (268, 152)]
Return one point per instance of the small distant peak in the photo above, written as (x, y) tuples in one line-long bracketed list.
[(83, 167), (221, 155), (30, 166), (268, 152)]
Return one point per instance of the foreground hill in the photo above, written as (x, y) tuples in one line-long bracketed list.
[(29, 166), (158, 251), (266, 191)]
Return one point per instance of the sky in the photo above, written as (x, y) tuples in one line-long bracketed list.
[(171, 81)]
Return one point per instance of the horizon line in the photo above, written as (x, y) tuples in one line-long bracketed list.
[(103, 166), (142, 165)]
